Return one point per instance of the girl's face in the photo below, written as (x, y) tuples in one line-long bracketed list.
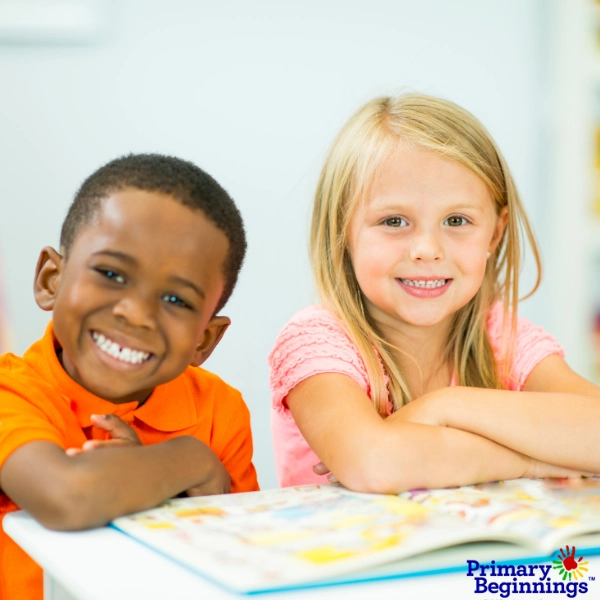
[(420, 240)]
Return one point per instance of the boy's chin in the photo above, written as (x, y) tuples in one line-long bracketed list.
[(117, 394)]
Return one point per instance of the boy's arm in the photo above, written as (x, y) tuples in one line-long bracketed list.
[(92, 488), (554, 419), (232, 441), (367, 453)]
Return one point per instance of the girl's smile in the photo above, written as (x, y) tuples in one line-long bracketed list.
[(419, 240), (425, 287)]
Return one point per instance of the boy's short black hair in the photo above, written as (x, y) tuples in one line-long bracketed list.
[(183, 180)]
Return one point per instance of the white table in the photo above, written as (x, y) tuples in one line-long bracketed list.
[(102, 564)]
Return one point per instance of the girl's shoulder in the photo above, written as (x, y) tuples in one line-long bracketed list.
[(532, 343), (312, 342), (312, 329), (311, 320)]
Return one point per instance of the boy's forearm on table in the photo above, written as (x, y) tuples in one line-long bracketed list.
[(93, 488), (557, 428), (122, 480)]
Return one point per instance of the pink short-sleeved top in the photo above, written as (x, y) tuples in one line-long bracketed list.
[(314, 342)]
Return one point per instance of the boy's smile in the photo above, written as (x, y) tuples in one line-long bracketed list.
[(133, 301)]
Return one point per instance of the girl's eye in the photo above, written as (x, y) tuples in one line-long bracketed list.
[(455, 221), (112, 275), (395, 222), (175, 300)]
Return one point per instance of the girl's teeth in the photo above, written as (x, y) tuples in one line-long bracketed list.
[(113, 349), (433, 283)]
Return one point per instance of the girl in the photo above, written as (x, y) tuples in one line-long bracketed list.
[(405, 376)]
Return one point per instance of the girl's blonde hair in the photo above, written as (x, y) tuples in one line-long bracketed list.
[(371, 135)]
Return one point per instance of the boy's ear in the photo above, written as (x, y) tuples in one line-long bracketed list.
[(47, 277), (213, 333)]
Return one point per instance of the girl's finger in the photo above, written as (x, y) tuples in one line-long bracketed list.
[(320, 469)]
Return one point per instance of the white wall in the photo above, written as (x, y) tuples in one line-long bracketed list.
[(253, 92)]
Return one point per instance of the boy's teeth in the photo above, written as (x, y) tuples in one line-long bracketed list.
[(113, 349), (432, 283)]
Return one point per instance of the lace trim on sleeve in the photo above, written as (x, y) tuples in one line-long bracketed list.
[(312, 342)]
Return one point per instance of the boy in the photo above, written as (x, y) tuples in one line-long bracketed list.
[(150, 252)]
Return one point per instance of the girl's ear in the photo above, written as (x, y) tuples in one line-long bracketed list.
[(213, 333), (501, 222), (48, 272)]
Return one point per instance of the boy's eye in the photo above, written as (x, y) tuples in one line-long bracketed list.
[(112, 275), (395, 222), (455, 221), (175, 300)]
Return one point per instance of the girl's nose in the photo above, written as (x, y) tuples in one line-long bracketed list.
[(426, 247), (136, 310)]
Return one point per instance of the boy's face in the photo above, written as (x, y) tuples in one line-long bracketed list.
[(133, 302)]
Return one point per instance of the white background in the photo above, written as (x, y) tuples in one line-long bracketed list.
[(253, 92)]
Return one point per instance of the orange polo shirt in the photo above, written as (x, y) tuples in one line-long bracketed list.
[(39, 401)]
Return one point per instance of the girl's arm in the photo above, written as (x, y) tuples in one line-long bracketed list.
[(556, 418), (367, 453)]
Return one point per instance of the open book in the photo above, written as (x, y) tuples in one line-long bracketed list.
[(315, 535)]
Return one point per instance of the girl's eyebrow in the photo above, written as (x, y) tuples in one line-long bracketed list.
[(400, 208)]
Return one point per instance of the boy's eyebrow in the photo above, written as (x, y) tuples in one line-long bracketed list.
[(188, 283), (116, 254), (133, 261)]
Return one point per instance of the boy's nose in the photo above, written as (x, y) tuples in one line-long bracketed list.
[(426, 247), (136, 310)]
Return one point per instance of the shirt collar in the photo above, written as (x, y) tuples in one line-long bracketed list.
[(170, 407)]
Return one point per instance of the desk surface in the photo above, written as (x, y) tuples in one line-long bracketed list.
[(102, 563)]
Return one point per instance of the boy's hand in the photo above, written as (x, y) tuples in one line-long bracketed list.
[(121, 435), (219, 481)]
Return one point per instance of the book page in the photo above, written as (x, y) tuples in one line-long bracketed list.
[(282, 538), (539, 512)]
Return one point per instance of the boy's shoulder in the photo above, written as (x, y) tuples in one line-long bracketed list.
[(19, 377), (213, 398), (207, 384)]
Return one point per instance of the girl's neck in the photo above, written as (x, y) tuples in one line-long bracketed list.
[(420, 354)]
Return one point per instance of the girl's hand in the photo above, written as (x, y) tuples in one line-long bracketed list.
[(121, 435), (540, 470), (322, 469), (425, 410)]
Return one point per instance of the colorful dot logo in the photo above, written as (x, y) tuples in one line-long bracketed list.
[(568, 565)]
